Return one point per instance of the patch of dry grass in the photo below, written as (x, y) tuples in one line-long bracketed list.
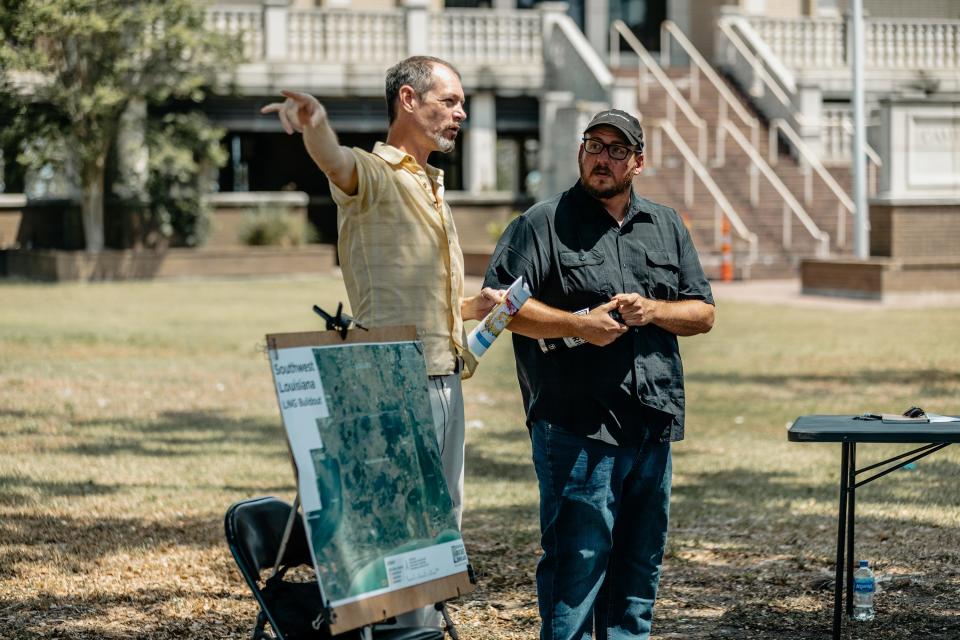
[(133, 414)]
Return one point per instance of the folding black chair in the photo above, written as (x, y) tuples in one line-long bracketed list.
[(294, 610)]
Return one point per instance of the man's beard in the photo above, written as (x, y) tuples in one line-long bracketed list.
[(444, 145), (610, 192)]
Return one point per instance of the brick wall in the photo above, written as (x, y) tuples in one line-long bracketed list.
[(847, 278), (914, 231)]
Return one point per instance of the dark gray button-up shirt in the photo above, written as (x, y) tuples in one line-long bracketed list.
[(573, 256)]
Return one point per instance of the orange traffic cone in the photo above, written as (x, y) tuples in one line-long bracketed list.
[(726, 252)]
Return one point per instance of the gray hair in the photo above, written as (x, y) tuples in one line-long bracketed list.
[(416, 71)]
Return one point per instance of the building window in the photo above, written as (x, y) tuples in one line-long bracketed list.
[(518, 159), (468, 4), (828, 8), (11, 173), (643, 17)]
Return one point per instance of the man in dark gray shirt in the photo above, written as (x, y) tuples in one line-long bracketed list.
[(615, 279)]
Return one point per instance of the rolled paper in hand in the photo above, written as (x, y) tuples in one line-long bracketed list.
[(499, 317)]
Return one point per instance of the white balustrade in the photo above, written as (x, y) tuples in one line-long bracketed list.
[(834, 141), (487, 37), (914, 44), (346, 36), (805, 43), (243, 21), (464, 36)]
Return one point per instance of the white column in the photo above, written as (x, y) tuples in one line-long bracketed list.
[(596, 24), (275, 16), (809, 102), (861, 226), (505, 5), (418, 27), (624, 96), (555, 173), (680, 13), (481, 145)]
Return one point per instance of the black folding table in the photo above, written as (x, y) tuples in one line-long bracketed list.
[(849, 431)]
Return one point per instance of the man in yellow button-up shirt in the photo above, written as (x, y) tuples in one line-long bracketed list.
[(399, 251)]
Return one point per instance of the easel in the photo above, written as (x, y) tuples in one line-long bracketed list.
[(364, 613)]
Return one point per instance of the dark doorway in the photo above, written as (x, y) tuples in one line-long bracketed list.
[(644, 18)]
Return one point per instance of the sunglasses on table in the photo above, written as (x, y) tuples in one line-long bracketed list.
[(615, 151)]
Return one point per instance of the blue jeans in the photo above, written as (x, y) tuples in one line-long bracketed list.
[(603, 525)]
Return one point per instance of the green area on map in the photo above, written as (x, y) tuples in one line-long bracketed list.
[(378, 473)]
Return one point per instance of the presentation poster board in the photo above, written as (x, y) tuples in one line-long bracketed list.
[(378, 516)]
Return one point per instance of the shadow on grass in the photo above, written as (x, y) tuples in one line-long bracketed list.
[(14, 488), (862, 376), (935, 482), (483, 466), (180, 433), (138, 613), (22, 490), (81, 540)]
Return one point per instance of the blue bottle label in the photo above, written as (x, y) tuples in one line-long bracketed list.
[(863, 585)]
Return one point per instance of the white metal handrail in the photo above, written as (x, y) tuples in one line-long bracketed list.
[(759, 68), (811, 161), (699, 65), (673, 97), (872, 155), (790, 204), (693, 166)]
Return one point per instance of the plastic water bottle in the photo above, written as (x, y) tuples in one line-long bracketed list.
[(864, 586)]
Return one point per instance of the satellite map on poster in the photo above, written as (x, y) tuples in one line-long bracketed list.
[(361, 431)]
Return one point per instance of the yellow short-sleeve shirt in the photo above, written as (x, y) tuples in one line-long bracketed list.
[(399, 252)]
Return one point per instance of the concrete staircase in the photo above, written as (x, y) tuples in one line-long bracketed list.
[(778, 255)]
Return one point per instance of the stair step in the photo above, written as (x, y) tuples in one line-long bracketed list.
[(666, 184)]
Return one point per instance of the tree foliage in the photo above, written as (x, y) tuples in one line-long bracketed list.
[(78, 64), (184, 152)]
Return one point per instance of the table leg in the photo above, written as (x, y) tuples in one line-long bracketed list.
[(851, 511), (841, 533)]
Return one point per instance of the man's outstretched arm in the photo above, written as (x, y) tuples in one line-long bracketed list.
[(303, 113)]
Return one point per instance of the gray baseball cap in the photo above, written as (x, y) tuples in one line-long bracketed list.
[(622, 122)]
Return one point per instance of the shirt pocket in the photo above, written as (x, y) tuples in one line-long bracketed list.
[(583, 272), (662, 274)]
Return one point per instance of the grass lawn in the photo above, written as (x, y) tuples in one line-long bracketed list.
[(133, 414)]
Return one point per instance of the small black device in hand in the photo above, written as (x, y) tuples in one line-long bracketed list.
[(615, 314)]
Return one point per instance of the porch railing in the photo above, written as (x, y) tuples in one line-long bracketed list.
[(803, 43), (244, 22), (463, 36), (649, 67), (836, 136), (345, 36), (693, 167), (726, 101), (791, 207), (493, 37)]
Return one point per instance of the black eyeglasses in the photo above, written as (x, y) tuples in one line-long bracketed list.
[(615, 151)]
